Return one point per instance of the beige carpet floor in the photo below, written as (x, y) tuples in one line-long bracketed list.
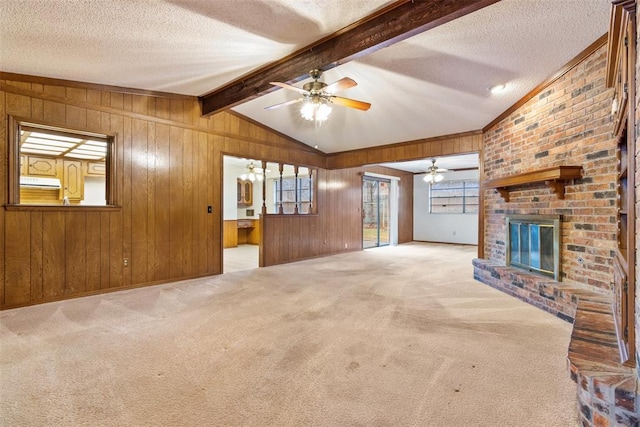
[(396, 336)]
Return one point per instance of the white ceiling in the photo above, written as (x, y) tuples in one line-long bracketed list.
[(432, 84)]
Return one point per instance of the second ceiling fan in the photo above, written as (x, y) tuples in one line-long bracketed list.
[(433, 173), (318, 97)]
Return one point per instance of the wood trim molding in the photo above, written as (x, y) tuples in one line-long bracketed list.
[(399, 21), (601, 41), (18, 123), (13, 159), (481, 216), (60, 208), (615, 27), (93, 86), (628, 5)]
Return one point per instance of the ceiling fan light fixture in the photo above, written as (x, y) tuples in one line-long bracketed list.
[(251, 174), (318, 96), (433, 175), (317, 109)]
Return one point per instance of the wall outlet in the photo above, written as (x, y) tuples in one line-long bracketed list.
[(125, 262), (454, 233), (346, 246)]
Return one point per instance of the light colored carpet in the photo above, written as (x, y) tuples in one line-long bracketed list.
[(396, 336)]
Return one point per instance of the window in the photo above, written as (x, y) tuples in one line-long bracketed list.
[(58, 166), (295, 191), (454, 197)]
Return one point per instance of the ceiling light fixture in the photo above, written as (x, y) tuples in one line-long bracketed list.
[(433, 173), (316, 108), (251, 174), (498, 89)]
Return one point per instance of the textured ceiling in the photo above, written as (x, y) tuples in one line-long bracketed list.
[(437, 83), (179, 46), (432, 84)]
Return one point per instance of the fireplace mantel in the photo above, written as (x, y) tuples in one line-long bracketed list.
[(555, 177)]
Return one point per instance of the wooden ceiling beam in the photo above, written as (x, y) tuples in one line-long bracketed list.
[(390, 25)]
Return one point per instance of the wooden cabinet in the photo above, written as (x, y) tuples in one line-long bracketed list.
[(248, 232), (41, 166), (230, 233), (96, 169), (245, 193), (621, 77), (241, 232), (72, 179), (245, 223)]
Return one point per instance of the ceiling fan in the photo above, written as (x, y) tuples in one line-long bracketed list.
[(318, 97), (253, 172), (433, 173)]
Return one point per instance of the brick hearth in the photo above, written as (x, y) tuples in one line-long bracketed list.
[(606, 389), (557, 298)]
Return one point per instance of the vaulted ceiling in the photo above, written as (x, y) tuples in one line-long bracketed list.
[(430, 84)]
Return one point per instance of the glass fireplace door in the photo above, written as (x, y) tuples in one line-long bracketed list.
[(533, 243)]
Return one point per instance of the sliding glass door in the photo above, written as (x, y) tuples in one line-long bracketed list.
[(375, 212)]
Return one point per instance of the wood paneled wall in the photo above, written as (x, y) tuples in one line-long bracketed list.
[(253, 234), (230, 233), (168, 163), (469, 142), (169, 169), (338, 225)]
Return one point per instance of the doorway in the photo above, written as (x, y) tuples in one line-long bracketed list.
[(376, 210), (242, 202)]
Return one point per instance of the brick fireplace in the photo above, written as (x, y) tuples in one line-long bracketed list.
[(567, 124)]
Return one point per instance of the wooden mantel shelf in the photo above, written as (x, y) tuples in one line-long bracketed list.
[(556, 178)]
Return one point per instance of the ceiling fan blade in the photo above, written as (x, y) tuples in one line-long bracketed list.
[(290, 87), (342, 84), (351, 103), (441, 170), (282, 104)]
